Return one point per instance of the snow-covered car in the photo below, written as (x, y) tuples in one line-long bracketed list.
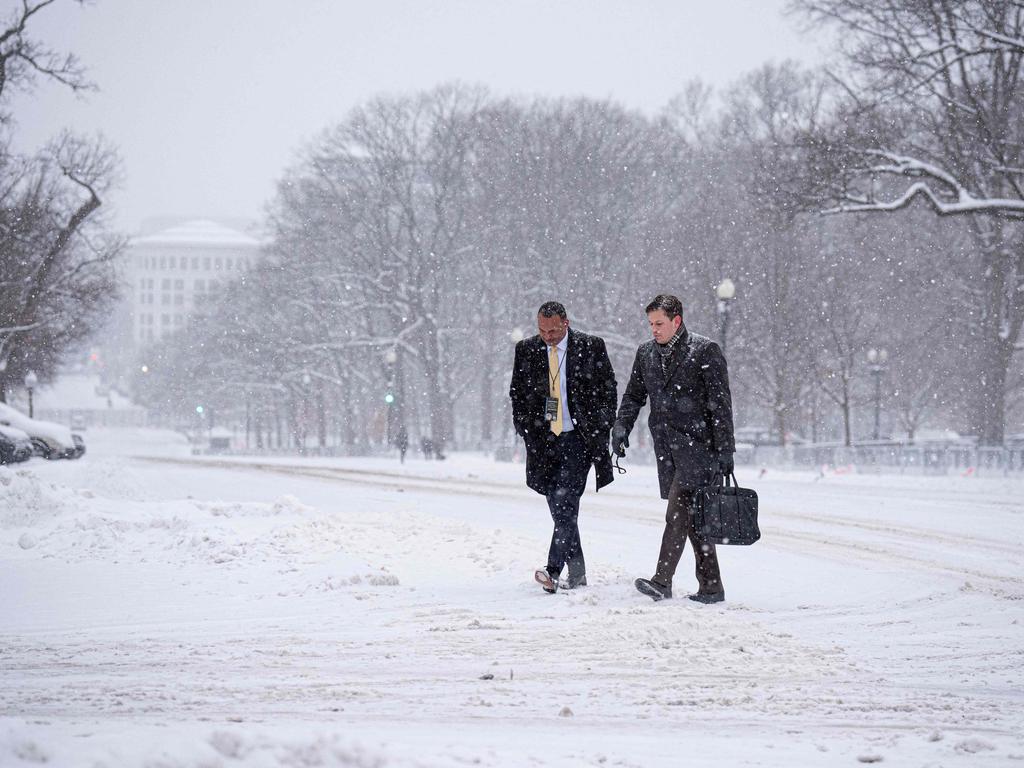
[(15, 445), (51, 441)]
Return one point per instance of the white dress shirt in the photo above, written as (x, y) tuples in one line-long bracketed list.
[(563, 397)]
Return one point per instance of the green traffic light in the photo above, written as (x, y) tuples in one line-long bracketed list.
[(389, 398)]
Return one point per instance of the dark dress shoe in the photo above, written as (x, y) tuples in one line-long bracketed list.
[(573, 583), (653, 589), (708, 597)]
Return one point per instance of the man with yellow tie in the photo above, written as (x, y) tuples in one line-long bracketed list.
[(563, 404)]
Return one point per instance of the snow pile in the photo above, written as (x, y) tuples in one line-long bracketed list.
[(113, 521), (27, 502)]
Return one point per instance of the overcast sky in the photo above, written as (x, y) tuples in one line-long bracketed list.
[(208, 101)]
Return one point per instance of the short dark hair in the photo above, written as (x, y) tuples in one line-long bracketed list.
[(552, 308), (667, 303)]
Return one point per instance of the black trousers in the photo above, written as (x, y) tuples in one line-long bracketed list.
[(570, 452), (679, 528)]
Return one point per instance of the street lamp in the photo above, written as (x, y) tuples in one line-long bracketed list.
[(390, 359), (876, 364), (726, 292), (31, 380)]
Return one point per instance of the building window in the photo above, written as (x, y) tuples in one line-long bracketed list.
[(195, 263), (200, 286), (179, 300), (218, 263), (213, 286), (227, 264), (163, 262), (206, 263), (165, 299), (183, 263), (179, 285)]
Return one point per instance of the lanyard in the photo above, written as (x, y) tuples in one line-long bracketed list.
[(558, 370)]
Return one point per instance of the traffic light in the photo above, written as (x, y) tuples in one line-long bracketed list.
[(389, 398)]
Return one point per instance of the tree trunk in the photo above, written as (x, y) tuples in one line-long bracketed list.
[(487, 402), (847, 432), (321, 418), (1000, 326), (437, 399), (990, 405), (780, 417)]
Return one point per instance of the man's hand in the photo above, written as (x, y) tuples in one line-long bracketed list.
[(726, 465), (620, 440)]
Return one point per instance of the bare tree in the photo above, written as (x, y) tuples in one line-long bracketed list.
[(56, 273), (24, 60), (56, 270), (766, 113), (935, 112)]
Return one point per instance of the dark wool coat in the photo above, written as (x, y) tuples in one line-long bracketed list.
[(691, 408), (592, 395)]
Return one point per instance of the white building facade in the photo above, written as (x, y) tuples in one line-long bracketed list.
[(178, 271)]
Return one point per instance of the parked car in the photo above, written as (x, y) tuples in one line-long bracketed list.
[(15, 445), (50, 440)]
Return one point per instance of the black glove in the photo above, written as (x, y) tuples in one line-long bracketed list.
[(620, 440), (726, 465)]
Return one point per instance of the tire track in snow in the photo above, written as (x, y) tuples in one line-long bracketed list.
[(873, 551)]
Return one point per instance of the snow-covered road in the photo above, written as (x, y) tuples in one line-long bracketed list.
[(164, 610)]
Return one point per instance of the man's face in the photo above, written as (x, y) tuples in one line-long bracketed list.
[(662, 326), (552, 329)]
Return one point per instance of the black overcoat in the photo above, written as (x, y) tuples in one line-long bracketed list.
[(691, 408), (592, 396)]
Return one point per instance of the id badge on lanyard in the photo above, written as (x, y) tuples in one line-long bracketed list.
[(551, 408)]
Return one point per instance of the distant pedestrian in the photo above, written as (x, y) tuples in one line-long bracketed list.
[(563, 402), (686, 379), (427, 446), (403, 443)]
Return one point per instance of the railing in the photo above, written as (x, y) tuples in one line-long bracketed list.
[(928, 458)]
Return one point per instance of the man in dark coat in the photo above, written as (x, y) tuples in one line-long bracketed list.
[(686, 379), (563, 403)]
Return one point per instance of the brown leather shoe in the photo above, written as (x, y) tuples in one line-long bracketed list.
[(542, 577)]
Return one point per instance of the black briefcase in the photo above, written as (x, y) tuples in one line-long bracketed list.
[(724, 513)]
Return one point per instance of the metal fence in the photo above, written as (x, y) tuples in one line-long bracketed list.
[(892, 457)]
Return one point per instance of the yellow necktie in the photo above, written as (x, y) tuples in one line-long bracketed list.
[(556, 388)]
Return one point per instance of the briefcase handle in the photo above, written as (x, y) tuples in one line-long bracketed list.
[(723, 480)]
